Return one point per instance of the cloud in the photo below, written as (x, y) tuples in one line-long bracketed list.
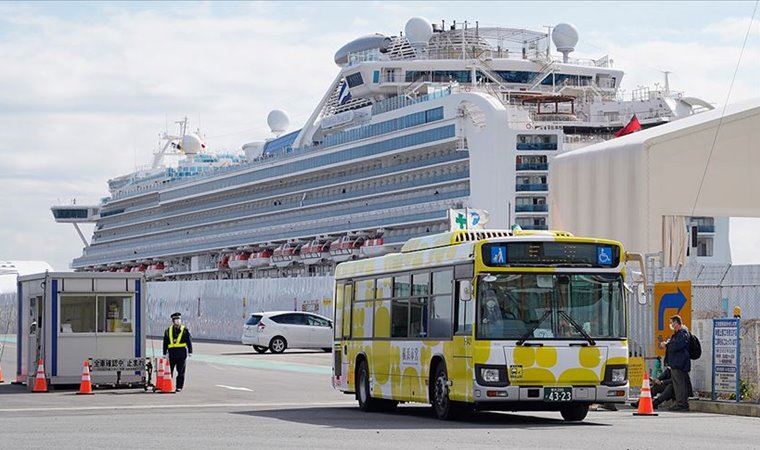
[(732, 28), (86, 89)]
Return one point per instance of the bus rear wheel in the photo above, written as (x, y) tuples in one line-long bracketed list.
[(574, 412), (364, 395)]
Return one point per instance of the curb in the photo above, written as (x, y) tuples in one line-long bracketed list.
[(734, 409)]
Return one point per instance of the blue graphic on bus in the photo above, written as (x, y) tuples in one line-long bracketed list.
[(498, 255), (604, 256)]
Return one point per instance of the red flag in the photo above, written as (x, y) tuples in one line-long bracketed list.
[(632, 126)]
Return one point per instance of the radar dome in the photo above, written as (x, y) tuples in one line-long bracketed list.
[(278, 121), (418, 30), (565, 36), (192, 144)]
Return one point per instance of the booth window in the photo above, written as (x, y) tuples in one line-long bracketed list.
[(115, 314), (78, 314)]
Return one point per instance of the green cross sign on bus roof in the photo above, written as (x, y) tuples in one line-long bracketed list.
[(461, 220)]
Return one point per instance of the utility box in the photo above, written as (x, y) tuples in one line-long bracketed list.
[(65, 318)]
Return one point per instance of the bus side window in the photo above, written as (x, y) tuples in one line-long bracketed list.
[(338, 313), (464, 312)]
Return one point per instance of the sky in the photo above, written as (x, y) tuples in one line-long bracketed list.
[(86, 88)]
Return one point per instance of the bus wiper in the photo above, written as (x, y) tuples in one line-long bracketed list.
[(577, 327), (529, 333)]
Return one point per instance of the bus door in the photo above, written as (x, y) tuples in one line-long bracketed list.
[(342, 330), (461, 369)]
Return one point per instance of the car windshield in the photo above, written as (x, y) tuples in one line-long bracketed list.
[(550, 306)]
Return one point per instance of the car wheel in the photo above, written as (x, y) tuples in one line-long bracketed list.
[(443, 407), (260, 349), (278, 344), (574, 412)]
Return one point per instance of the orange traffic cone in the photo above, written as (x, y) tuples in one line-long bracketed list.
[(160, 374), (40, 383), (168, 387), (1, 375), (645, 399), (85, 387)]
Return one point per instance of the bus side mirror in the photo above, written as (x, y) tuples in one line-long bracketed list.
[(638, 257), (465, 291)]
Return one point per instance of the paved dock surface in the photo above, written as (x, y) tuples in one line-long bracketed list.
[(237, 398)]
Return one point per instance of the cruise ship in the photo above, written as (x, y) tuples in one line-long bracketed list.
[(439, 118)]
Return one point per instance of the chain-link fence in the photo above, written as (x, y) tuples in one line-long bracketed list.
[(716, 290)]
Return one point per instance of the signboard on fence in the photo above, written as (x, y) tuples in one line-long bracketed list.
[(670, 299), (116, 364), (725, 363)]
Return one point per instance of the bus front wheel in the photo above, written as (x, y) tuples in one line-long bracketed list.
[(574, 412), (443, 407)]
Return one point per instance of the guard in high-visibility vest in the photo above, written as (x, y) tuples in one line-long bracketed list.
[(178, 346)]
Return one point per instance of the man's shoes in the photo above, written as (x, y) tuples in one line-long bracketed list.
[(636, 404), (677, 408), (179, 390)]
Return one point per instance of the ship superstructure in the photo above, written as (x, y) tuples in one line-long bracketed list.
[(443, 116)]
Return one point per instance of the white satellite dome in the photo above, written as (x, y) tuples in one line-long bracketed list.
[(418, 31), (278, 121), (565, 36), (191, 144)]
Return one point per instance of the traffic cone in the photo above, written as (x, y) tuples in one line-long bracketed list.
[(1, 375), (40, 383), (645, 399), (160, 374), (168, 387), (85, 387)]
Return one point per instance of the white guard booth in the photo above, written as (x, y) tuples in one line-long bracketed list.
[(65, 318)]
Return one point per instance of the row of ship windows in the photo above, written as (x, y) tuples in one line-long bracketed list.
[(287, 220), (388, 126), (410, 160), (445, 174), (420, 137), (435, 210), (508, 76)]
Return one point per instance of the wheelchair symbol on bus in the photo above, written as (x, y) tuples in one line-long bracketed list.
[(604, 256)]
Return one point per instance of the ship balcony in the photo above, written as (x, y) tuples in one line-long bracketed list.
[(531, 208), (532, 187), (705, 228), (533, 166), (537, 146)]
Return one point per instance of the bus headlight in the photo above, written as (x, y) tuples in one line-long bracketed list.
[(491, 375), (615, 375)]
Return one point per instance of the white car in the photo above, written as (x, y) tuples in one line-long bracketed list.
[(279, 330)]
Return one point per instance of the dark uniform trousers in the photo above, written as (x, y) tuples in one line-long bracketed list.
[(177, 359)]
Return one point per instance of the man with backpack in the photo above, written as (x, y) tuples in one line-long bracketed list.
[(678, 358)]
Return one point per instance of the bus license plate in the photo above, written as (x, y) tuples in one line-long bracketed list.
[(558, 394)]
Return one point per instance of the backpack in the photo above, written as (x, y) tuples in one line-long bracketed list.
[(695, 347)]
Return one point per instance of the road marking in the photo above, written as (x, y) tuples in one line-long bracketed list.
[(234, 388), (184, 405)]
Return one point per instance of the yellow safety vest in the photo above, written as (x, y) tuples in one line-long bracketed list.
[(172, 342)]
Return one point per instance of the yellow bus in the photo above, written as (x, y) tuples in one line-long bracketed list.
[(485, 320)]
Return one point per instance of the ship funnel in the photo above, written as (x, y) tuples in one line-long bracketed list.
[(565, 37)]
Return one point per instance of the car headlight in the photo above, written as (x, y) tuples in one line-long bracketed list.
[(490, 375)]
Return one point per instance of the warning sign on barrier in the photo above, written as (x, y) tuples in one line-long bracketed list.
[(636, 369), (116, 364)]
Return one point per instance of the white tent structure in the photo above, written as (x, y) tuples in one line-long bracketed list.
[(635, 188)]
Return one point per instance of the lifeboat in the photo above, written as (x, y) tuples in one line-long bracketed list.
[(260, 258), (240, 260), (285, 255), (155, 270), (125, 269), (224, 262), (345, 248), (139, 268), (374, 247), (315, 251)]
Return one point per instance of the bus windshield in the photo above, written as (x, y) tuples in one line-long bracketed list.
[(550, 306)]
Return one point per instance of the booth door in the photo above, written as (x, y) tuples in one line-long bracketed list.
[(36, 334)]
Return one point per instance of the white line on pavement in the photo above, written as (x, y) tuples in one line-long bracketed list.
[(233, 388), (184, 405)]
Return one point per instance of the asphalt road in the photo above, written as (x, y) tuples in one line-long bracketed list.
[(236, 398)]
